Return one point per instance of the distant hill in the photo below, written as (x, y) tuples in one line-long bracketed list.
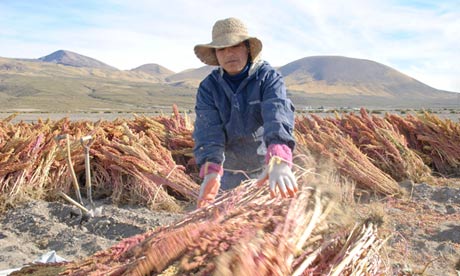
[(194, 74), (351, 76), (154, 69), (69, 58), (190, 77), (67, 81), (31, 85)]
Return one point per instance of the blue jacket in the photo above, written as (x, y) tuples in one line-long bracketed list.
[(236, 127)]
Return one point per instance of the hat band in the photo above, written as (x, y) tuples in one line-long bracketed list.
[(226, 41)]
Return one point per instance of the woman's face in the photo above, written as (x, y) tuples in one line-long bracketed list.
[(233, 59)]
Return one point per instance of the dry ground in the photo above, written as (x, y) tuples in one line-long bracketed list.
[(423, 230), (38, 227)]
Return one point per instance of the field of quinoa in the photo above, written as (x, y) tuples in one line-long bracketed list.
[(379, 195)]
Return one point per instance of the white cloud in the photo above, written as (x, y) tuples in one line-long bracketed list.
[(421, 41)]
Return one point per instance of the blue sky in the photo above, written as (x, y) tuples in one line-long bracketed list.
[(420, 38)]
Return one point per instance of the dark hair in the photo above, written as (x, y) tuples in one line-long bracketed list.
[(248, 46)]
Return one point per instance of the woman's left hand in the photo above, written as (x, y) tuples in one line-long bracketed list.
[(279, 175)]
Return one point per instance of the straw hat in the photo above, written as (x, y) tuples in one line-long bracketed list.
[(225, 33)]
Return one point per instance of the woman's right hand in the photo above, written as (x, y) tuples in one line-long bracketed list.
[(208, 190)]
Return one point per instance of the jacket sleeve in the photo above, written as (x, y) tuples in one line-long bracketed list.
[(208, 132), (277, 111)]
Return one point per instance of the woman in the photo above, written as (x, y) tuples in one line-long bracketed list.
[(244, 120)]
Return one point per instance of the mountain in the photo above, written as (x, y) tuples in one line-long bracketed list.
[(73, 59), (191, 77), (66, 81), (350, 76), (32, 85), (154, 69), (194, 74), (355, 82)]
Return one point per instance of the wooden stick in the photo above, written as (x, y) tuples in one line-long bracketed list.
[(72, 171), (88, 167), (70, 200), (69, 163)]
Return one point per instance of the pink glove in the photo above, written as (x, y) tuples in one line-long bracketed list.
[(211, 183), (210, 167), (208, 190)]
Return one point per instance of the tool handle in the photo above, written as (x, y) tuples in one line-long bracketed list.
[(86, 138), (60, 137)]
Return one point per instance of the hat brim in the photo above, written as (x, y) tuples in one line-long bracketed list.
[(207, 54)]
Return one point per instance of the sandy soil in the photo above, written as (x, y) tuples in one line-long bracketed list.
[(39, 227), (423, 230)]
